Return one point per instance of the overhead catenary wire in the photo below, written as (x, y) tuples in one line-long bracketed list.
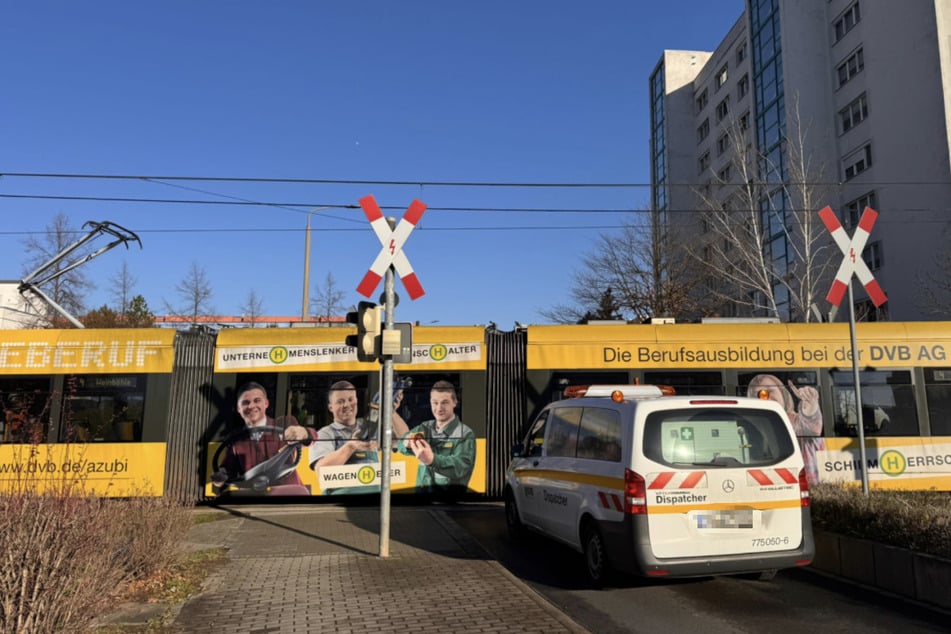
[(305, 207), (302, 206), (421, 183)]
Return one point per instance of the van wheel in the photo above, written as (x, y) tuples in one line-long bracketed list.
[(512, 521), (595, 555)]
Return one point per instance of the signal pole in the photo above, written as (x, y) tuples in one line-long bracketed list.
[(386, 404), (389, 261)]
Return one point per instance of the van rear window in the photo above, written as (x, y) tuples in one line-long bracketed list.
[(716, 437)]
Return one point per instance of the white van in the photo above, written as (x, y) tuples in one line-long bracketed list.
[(664, 486)]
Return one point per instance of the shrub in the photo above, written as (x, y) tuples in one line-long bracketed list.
[(917, 520), (148, 533), (66, 550), (64, 554)]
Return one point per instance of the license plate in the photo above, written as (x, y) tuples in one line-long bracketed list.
[(725, 519)]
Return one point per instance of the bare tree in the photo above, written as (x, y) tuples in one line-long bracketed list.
[(328, 300), (121, 291), (636, 273), (68, 290), (765, 245), (253, 308), (195, 292)]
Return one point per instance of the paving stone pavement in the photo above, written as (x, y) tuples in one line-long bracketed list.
[(318, 569)]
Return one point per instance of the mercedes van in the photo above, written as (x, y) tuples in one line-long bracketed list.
[(662, 485)]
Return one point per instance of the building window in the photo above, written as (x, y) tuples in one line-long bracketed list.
[(846, 22), (745, 121), (740, 53), (722, 76), (872, 254), (703, 164), (703, 130), (702, 100), (858, 161), (742, 86), (723, 109), (854, 209), (725, 174), (850, 67), (722, 144), (853, 114)]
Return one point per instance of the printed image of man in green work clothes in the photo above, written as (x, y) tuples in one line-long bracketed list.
[(444, 446)]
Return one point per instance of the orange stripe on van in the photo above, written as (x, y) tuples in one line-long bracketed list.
[(610, 500), (692, 480), (605, 482), (664, 509), (766, 477), (788, 476), (676, 480), (661, 480)]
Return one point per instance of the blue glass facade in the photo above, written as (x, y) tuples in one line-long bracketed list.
[(658, 147), (770, 124)]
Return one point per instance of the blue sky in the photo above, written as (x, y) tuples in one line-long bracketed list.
[(418, 92)]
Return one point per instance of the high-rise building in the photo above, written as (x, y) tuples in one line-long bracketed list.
[(839, 103)]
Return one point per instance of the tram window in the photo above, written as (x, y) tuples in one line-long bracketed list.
[(938, 393), (307, 400), (26, 406), (416, 403), (308, 397), (888, 403), (103, 408), (785, 388), (688, 383)]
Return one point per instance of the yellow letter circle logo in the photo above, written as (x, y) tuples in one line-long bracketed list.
[(438, 352), (892, 463), (278, 354), (366, 475)]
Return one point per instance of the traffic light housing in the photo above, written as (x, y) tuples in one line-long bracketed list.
[(368, 340)]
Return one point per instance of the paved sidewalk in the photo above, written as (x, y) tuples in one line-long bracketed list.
[(318, 569)]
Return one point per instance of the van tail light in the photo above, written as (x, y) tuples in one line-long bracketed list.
[(804, 499), (635, 493)]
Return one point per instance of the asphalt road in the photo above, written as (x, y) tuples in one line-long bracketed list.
[(795, 601)]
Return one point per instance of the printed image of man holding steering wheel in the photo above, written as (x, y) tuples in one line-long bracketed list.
[(261, 458)]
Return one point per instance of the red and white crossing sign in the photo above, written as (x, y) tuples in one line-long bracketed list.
[(852, 262), (392, 251)]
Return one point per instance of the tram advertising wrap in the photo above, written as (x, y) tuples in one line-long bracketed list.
[(77, 414), (198, 414), (301, 415), (905, 376)]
